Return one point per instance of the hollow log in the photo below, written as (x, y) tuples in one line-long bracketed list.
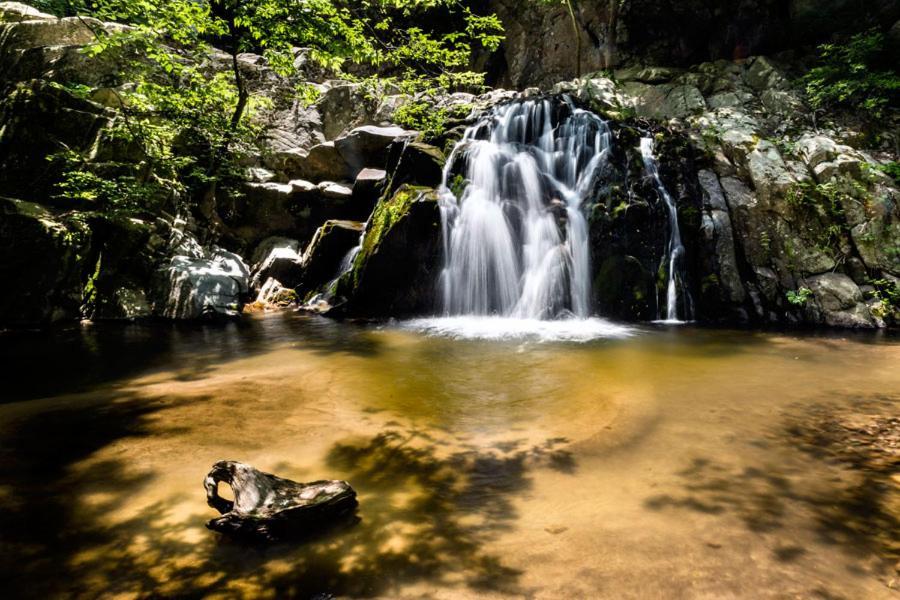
[(268, 507)]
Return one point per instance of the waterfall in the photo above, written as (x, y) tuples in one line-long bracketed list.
[(675, 248), (516, 238)]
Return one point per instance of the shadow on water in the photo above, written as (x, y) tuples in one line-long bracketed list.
[(37, 364), (429, 503), (854, 505)]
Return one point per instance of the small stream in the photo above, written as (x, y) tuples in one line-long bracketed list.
[(640, 462)]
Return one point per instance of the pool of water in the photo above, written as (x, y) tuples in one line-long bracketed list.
[(595, 461)]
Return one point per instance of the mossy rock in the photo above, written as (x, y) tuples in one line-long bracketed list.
[(397, 268)]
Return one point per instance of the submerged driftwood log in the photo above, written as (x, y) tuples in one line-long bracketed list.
[(269, 507)]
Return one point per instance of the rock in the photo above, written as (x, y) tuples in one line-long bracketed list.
[(647, 74), (415, 163), (41, 261), (366, 146), (368, 188), (37, 121), (844, 164), (781, 103), (301, 186), (269, 508), (265, 248), (125, 254), (837, 302), (728, 100), (13, 12), (272, 293), (193, 288), (762, 75), (282, 262), (717, 229), (328, 254), (265, 210), (342, 107), (664, 101), (396, 269), (769, 173), (816, 149), (324, 162), (601, 95), (335, 191)]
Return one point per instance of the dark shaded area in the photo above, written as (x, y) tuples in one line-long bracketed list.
[(428, 507), (35, 364), (856, 510)]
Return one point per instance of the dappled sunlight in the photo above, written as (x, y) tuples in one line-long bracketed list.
[(561, 470)]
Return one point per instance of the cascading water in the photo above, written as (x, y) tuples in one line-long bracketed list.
[(675, 249), (516, 239)]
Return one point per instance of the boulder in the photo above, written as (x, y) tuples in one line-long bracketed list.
[(267, 507), (415, 163), (329, 253), (194, 288), (837, 301), (324, 162), (344, 106), (125, 254), (396, 269), (41, 264), (13, 12), (282, 262), (762, 75), (367, 146)]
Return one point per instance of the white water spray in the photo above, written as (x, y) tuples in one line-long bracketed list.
[(516, 240), (675, 247)]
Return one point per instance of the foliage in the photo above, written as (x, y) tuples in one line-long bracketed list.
[(826, 202), (192, 113), (859, 74), (422, 115), (892, 170), (887, 295), (799, 297)]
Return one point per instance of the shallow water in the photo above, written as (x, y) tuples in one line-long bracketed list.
[(673, 462)]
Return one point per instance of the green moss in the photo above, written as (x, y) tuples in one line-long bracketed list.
[(388, 212)]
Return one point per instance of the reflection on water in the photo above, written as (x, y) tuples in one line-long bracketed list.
[(672, 463)]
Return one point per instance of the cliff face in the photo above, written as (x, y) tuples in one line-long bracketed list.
[(540, 48)]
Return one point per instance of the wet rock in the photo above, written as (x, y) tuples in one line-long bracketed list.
[(268, 507), (329, 252), (396, 270)]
